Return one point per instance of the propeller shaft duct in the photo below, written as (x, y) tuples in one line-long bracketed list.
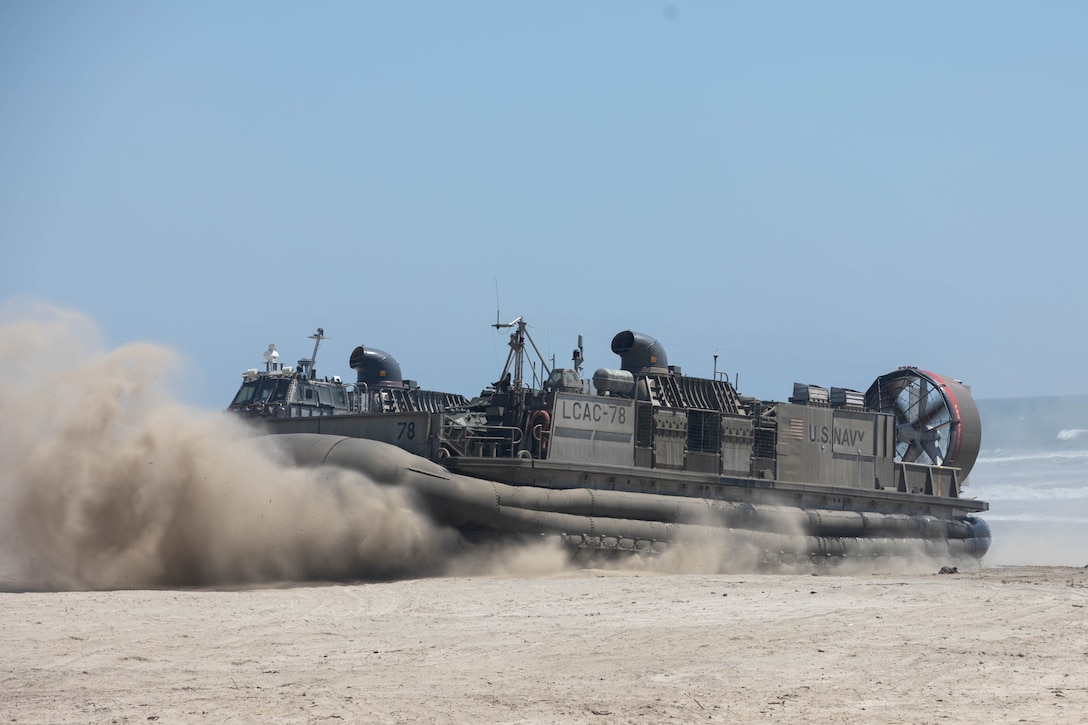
[(937, 421)]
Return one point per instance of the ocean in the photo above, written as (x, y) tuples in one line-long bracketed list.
[(1033, 470)]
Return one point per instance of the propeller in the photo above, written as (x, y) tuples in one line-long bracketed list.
[(937, 422)]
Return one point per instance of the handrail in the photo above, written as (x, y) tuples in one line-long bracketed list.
[(483, 441), (358, 396)]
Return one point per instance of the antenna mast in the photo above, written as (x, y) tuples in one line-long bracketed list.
[(515, 361), (307, 367)]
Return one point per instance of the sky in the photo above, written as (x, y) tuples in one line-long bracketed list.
[(811, 192)]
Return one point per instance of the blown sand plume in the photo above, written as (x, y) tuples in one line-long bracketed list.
[(109, 483)]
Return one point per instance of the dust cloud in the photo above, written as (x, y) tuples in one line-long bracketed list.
[(719, 550), (108, 483)]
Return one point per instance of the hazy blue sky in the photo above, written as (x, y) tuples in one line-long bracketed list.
[(816, 192)]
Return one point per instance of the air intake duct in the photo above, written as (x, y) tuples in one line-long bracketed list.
[(375, 367), (616, 382), (640, 353)]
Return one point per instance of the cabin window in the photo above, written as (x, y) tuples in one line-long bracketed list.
[(245, 393), (265, 393), (262, 393), (324, 395), (279, 392)]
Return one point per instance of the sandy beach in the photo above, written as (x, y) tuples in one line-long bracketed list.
[(997, 644)]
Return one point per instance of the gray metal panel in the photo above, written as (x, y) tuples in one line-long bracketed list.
[(853, 433), (805, 439), (853, 443), (592, 428), (705, 462), (884, 467), (670, 437), (410, 431), (736, 445), (856, 471)]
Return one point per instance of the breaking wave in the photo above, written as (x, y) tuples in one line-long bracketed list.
[(1036, 518), (1014, 492), (999, 457)]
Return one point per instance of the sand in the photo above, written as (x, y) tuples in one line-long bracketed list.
[(997, 644)]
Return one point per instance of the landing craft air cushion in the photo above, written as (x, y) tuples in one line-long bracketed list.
[(640, 458)]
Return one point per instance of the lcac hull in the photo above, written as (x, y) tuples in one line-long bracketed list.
[(598, 518)]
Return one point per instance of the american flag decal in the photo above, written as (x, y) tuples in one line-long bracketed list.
[(796, 429)]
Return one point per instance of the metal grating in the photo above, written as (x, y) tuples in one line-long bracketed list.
[(704, 431), (671, 391)]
